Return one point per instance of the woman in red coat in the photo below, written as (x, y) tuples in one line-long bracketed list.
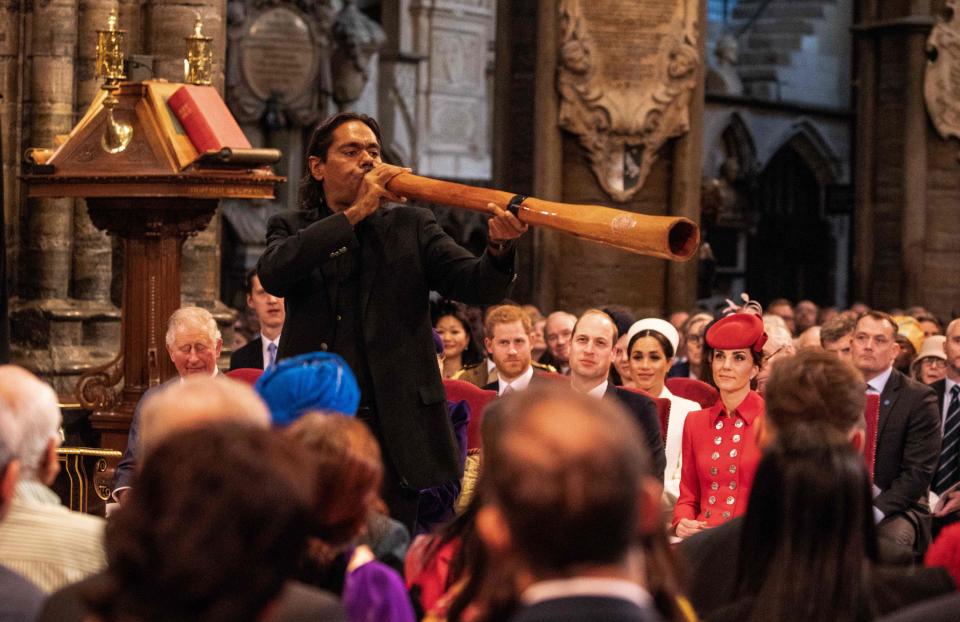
[(719, 448)]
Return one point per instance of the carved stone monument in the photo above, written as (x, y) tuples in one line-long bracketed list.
[(626, 74), (941, 85)]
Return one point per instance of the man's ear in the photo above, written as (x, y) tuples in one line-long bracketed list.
[(488, 344), (493, 530), (219, 348), (316, 166), (650, 513), (51, 465), (8, 481)]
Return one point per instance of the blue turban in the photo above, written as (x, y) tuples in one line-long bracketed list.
[(313, 381)]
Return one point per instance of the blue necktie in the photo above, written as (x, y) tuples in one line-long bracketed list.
[(271, 354), (949, 456)]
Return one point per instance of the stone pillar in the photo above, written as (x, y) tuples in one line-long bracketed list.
[(11, 22), (908, 241), (45, 271), (165, 25), (573, 274)]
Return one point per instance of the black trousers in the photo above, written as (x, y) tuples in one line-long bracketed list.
[(402, 502)]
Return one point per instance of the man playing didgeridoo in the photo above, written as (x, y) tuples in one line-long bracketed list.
[(355, 277)]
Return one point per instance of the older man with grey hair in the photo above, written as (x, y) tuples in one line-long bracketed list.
[(19, 598), (40, 538), (194, 343)]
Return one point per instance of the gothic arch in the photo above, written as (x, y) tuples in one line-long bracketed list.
[(738, 143), (807, 141)]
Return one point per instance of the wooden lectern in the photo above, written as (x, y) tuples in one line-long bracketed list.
[(153, 193)]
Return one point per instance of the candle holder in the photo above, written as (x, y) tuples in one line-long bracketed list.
[(197, 65), (117, 135)]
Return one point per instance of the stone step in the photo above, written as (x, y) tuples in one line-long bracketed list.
[(780, 42), (777, 10), (782, 26), (749, 58)]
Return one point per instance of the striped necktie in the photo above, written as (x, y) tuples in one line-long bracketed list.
[(949, 456), (271, 355)]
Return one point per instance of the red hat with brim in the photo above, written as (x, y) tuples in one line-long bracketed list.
[(737, 331)]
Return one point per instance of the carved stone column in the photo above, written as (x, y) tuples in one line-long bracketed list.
[(47, 243), (908, 175), (617, 85), (165, 24), (11, 20)]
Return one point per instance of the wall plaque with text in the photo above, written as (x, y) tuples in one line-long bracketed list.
[(626, 74)]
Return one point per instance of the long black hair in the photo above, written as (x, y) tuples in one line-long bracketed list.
[(311, 194), (808, 536), (473, 352)]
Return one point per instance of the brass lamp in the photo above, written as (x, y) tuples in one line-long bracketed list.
[(199, 60), (116, 135)]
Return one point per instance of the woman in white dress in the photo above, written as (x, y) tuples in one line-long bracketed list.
[(652, 344)]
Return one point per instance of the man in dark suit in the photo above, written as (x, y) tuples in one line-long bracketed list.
[(567, 491), (355, 280), (508, 341), (812, 389), (948, 400), (591, 353), (908, 432), (260, 353)]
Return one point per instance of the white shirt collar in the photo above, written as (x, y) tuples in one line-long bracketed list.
[(517, 384), (586, 586), (878, 383), (490, 365), (600, 390)]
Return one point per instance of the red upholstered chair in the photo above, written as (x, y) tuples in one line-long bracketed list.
[(477, 399), (872, 415), (692, 389), (250, 375)]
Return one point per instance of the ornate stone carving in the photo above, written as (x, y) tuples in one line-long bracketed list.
[(626, 74), (99, 388), (278, 61), (941, 85)]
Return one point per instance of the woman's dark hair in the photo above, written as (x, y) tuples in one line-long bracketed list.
[(311, 190), (473, 353), (216, 524), (808, 536), (665, 344)]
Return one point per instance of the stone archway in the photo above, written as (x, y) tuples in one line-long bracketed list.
[(792, 251)]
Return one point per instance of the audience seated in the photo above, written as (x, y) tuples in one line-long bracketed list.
[(651, 345), (193, 344), (690, 360), (814, 389), (313, 381), (20, 599), (567, 490), (348, 474), (261, 352), (178, 552), (719, 451), (40, 538)]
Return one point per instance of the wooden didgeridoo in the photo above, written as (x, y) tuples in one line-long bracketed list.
[(667, 237)]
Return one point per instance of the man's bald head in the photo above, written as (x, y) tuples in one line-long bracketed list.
[(557, 332), (197, 402), (565, 468)]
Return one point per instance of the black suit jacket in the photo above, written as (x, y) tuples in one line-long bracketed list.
[(403, 254), (297, 603), (908, 444), (579, 608), (249, 356), (644, 411), (709, 560)]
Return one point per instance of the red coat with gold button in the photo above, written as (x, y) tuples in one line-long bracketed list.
[(720, 458)]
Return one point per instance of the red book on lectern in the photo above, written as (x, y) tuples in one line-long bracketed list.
[(206, 119)]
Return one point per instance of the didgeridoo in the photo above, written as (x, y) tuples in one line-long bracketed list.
[(667, 237)]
